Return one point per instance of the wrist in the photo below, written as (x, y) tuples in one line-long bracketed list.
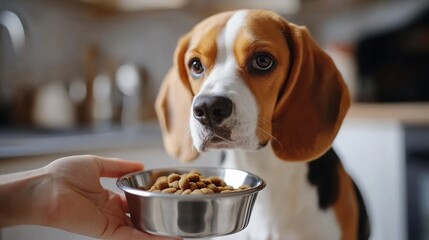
[(25, 197)]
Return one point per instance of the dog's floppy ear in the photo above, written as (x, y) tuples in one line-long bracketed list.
[(313, 103), (173, 105)]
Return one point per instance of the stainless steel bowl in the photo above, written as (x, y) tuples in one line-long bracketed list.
[(190, 216)]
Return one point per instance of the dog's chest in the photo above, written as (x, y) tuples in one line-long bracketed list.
[(288, 207)]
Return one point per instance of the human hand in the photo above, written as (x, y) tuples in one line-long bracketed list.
[(83, 206), (67, 194)]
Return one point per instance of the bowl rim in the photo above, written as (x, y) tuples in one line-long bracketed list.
[(145, 193)]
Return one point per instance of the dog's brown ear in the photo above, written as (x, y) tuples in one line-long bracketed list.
[(173, 105), (313, 103)]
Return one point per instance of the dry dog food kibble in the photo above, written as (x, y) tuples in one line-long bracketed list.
[(192, 183)]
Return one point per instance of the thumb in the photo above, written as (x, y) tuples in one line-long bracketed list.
[(114, 167)]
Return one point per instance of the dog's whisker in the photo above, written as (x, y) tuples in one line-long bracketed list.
[(265, 134), (187, 136), (281, 145), (187, 132), (273, 124), (262, 131), (263, 120), (186, 125), (269, 135), (226, 140)]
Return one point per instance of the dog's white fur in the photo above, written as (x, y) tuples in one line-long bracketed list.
[(286, 207)]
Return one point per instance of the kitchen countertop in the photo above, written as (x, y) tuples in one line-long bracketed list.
[(405, 113), (32, 142)]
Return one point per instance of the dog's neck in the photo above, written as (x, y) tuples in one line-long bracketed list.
[(289, 196), (264, 162), (276, 172)]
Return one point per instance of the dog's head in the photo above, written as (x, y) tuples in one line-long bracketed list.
[(243, 79)]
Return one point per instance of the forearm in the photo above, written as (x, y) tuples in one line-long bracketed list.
[(24, 197)]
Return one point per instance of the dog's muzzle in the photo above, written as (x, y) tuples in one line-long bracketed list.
[(211, 112)]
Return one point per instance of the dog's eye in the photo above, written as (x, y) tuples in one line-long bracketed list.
[(196, 68), (262, 62)]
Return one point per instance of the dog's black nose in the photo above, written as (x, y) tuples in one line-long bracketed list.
[(212, 109)]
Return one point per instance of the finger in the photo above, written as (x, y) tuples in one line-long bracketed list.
[(126, 232), (129, 222), (114, 167), (124, 203)]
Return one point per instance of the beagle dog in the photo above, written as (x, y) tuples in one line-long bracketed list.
[(261, 89)]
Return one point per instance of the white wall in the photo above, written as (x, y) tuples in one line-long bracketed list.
[(373, 152)]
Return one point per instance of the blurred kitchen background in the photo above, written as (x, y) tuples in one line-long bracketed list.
[(81, 76)]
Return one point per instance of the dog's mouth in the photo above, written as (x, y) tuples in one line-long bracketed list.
[(217, 138), (220, 138)]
